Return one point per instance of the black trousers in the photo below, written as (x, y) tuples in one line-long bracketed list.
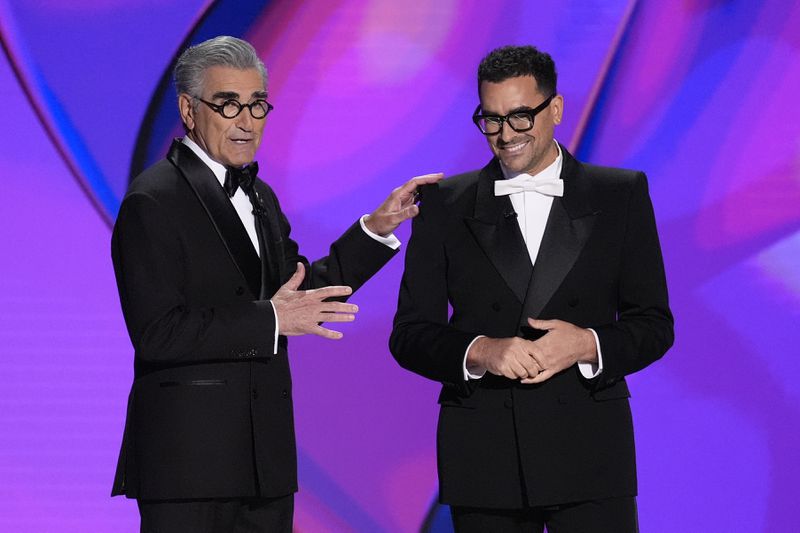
[(614, 515), (257, 515)]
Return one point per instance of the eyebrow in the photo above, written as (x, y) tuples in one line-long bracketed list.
[(519, 109), (230, 95)]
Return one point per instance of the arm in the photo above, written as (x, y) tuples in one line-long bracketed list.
[(422, 341), (352, 258), (643, 331)]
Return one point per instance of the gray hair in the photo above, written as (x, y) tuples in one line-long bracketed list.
[(222, 51)]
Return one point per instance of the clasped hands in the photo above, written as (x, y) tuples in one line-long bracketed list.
[(516, 358)]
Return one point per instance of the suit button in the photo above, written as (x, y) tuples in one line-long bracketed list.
[(255, 394), (239, 290), (496, 306), (508, 403), (285, 393)]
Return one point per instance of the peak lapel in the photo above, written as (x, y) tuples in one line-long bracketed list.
[(497, 232), (223, 216), (566, 233)]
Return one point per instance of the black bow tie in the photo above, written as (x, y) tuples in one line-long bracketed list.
[(240, 177)]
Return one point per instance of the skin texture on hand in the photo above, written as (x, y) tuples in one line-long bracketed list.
[(562, 346), (399, 206), (301, 312), (511, 357)]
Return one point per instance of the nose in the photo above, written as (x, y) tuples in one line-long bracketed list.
[(506, 132), (244, 120)]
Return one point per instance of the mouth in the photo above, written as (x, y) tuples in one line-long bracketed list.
[(241, 141), (514, 147)]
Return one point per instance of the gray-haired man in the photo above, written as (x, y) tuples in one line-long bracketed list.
[(211, 284)]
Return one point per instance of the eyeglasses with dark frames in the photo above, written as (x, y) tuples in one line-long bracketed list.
[(520, 120), (231, 108)]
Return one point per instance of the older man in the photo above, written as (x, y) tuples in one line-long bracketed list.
[(211, 284), (553, 271)]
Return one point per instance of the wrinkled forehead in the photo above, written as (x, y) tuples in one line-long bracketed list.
[(238, 83)]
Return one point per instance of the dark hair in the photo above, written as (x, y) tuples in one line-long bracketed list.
[(513, 61)]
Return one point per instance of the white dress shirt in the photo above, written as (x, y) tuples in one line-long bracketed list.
[(533, 209), (241, 203)]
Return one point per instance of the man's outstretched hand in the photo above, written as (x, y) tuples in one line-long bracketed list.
[(399, 206), (301, 312)]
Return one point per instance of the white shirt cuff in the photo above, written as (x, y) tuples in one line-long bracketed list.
[(592, 370), (390, 240), (467, 374), (277, 329)]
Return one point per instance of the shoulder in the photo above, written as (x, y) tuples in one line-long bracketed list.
[(451, 191), (612, 177), (156, 180), (610, 184)]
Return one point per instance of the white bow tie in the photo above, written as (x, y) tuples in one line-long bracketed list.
[(546, 186)]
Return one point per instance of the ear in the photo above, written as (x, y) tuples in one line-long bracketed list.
[(557, 106), (186, 109)]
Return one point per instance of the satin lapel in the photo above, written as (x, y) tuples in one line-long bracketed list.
[(223, 216), (568, 229), (497, 232)]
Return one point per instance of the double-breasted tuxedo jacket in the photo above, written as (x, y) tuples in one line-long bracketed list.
[(502, 444), (210, 410)]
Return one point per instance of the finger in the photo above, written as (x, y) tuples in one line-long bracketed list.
[(530, 364), (338, 307), (542, 324), (326, 333), (411, 185), (425, 179), (331, 291), (517, 370), (335, 317), (543, 376), (407, 212), (296, 279)]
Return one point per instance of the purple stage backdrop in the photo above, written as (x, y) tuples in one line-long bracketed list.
[(700, 94)]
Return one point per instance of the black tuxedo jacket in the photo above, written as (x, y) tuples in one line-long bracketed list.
[(502, 444), (210, 410)]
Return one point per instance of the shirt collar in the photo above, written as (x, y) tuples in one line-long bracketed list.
[(217, 168), (552, 171)]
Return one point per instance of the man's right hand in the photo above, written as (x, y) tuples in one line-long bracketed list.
[(301, 312), (511, 357)]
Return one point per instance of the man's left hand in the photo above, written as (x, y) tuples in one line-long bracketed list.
[(562, 346), (399, 206)]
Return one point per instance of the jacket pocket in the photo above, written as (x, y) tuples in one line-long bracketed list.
[(449, 397), (617, 391), (194, 382)]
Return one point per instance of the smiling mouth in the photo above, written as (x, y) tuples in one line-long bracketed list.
[(241, 141), (514, 147)]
